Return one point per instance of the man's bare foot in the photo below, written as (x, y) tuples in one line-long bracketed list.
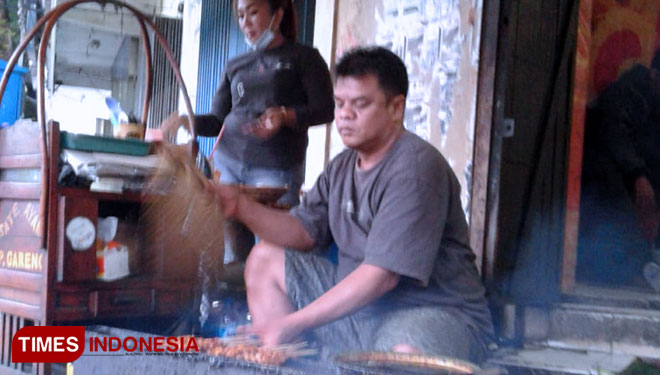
[(405, 348)]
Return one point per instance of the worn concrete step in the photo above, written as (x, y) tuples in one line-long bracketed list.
[(606, 329), (551, 361)]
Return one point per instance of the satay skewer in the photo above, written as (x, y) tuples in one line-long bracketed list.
[(302, 353), (247, 348), (296, 345), (239, 339)]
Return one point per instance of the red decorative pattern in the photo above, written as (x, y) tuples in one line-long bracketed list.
[(624, 32), (618, 47)]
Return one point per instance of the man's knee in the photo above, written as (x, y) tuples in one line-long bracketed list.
[(264, 261)]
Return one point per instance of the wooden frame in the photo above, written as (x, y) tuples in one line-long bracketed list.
[(22, 287), (483, 217), (578, 110)]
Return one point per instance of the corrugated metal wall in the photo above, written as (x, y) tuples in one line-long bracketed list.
[(221, 39), (164, 96), (165, 99), (305, 12)]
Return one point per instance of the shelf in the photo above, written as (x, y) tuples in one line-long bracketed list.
[(134, 281), (75, 292), (101, 196)]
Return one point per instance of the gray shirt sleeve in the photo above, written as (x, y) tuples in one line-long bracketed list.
[(316, 82), (313, 211), (407, 231), (208, 125)]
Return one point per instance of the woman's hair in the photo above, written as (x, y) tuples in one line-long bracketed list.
[(288, 26)]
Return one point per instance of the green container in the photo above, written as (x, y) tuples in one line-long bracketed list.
[(84, 142)]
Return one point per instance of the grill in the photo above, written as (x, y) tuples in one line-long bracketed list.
[(361, 363), (181, 363)]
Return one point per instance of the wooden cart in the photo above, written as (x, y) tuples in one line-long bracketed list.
[(43, 280)]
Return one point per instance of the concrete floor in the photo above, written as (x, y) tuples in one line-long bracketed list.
[(560, 361)]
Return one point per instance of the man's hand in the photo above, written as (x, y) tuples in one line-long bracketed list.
[(644, 195), (170, 126), (228, 195), (276, 332), (270, 122), (649, 225), (647, 210)]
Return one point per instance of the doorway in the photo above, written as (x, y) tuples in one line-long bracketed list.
[(611, 238)]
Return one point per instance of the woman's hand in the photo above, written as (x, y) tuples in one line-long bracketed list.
[(270, 122), (170, 126)]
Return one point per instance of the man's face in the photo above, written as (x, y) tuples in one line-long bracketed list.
[(363, 114)]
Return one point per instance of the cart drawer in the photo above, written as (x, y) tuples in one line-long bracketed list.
[(173, 300), (121, 302), (78, 301)]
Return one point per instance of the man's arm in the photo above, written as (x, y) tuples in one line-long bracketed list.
[(647, 209), (622, 111), (272, 225), (361, 287)]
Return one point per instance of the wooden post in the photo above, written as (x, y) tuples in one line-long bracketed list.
[(579, 103)]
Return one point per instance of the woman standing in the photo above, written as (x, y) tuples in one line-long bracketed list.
[(266, 101)]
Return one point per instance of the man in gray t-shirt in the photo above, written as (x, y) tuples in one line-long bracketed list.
[(405, 279)]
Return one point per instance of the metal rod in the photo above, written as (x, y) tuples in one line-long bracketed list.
[(149, 72)]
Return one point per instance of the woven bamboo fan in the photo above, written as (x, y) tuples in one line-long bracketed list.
[(184, 220)]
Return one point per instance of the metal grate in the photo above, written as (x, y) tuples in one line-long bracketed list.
[(9, 325)]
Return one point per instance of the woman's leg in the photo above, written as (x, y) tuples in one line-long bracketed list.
[(238, 239)]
